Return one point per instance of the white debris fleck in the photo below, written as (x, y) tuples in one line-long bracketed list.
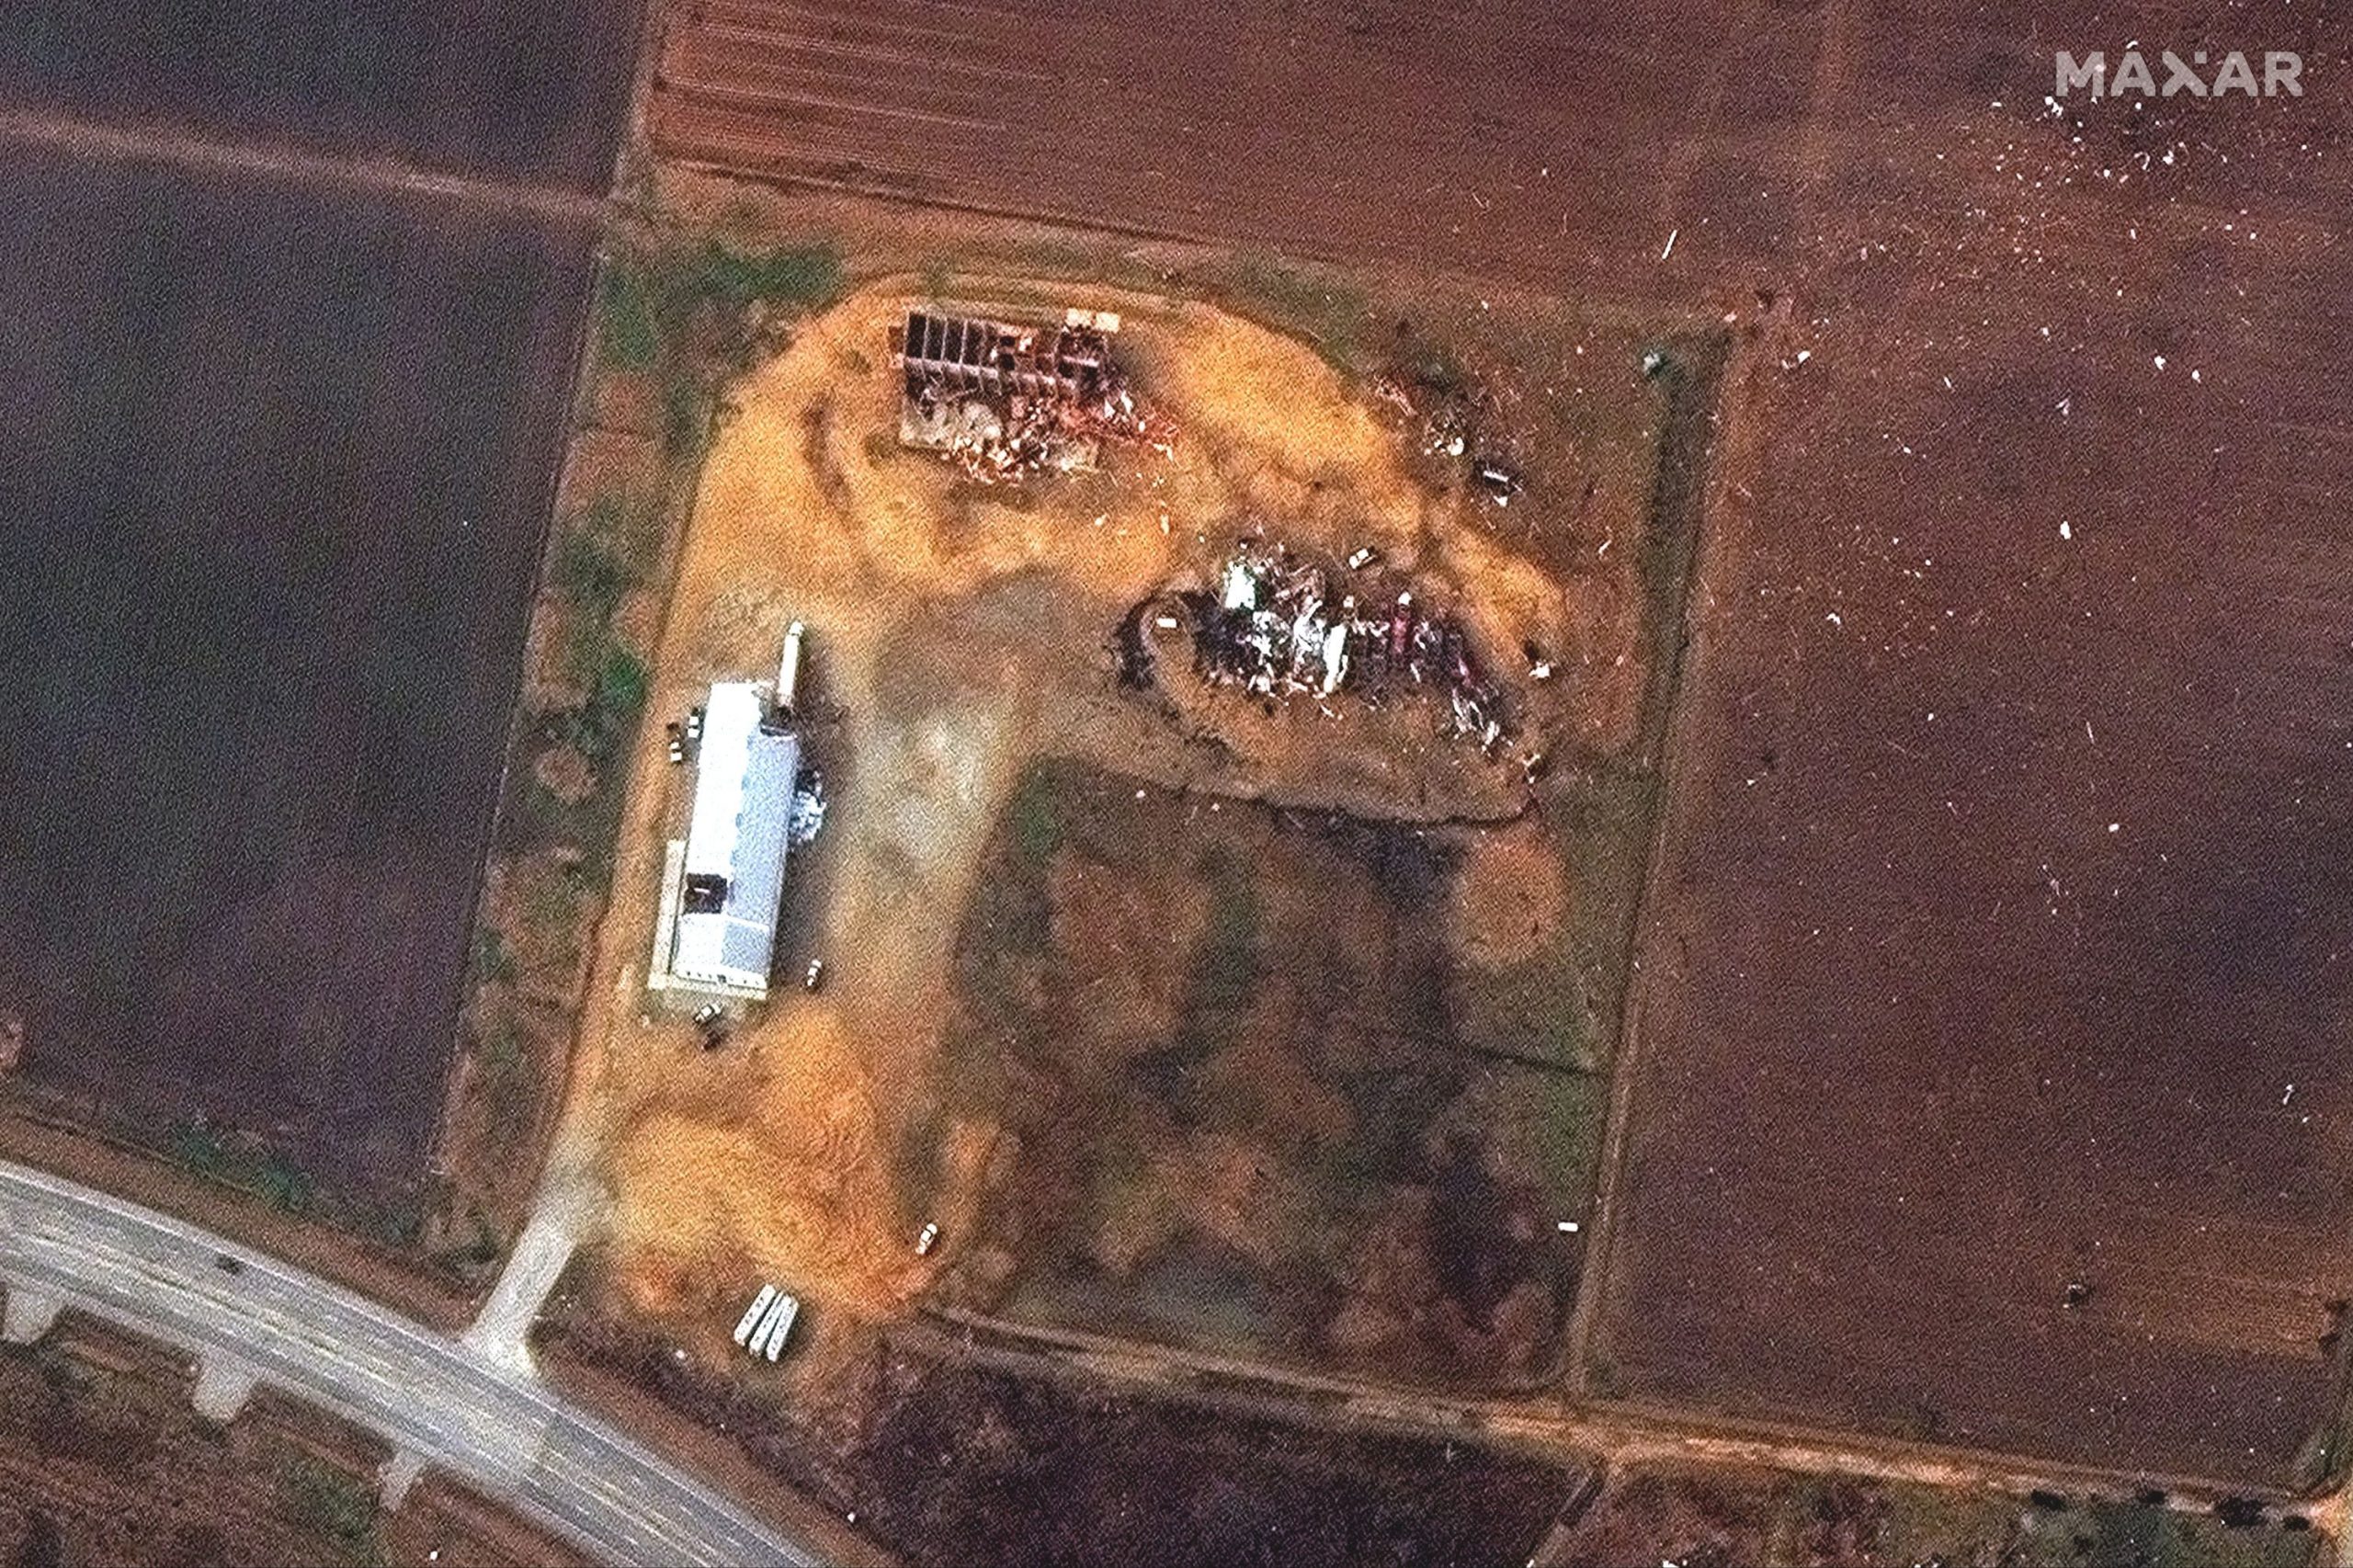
[(2161, 361), (2065, 531)]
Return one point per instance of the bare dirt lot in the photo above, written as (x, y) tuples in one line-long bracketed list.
[(1923, 1040), (531, 91), (961, 632), (282, 468)]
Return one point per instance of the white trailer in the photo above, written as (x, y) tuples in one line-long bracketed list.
[(781, 1316), (768, 1338), (753, 1313), (788, 673)]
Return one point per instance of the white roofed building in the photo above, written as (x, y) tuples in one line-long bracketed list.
[(727, 887)]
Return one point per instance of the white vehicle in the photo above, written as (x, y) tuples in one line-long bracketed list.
[(753, 1313)]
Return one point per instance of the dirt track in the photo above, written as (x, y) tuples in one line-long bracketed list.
[(1924, 1040), (204, 156)]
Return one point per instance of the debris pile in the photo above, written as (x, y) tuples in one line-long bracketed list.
[(1280, 626), (1003, 402)]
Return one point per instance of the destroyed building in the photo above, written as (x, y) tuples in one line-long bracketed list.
[(1002, 401), (1277, 626)]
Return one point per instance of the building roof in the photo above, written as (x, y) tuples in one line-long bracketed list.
[(739, 833)]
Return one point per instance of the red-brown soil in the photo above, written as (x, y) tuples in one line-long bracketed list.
[(1997, 946)]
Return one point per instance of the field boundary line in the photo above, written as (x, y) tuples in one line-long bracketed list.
[(180, 148), (1729, 446), (1610, 1432)]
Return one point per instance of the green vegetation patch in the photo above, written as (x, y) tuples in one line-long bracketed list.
[(339, 1505), (240, 1161)]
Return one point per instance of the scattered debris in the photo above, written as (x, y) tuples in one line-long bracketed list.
[(1500, 480), (1281, 626), (1003, 402), (1462, 422), (808, 817)]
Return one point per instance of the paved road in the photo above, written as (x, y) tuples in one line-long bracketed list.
[(424, 1393)]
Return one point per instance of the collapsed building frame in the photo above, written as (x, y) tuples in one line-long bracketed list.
[(976, 354), (1003, 400)]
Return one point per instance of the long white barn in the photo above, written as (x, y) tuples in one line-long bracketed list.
[(724, 891)]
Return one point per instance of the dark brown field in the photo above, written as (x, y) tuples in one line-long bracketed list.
[(280, 472), (2000, 940), (947, 1461), (1921, 1039), (282, 441), (527, 91)]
